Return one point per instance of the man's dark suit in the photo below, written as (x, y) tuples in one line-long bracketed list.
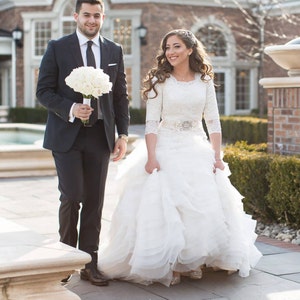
[(81, 154)]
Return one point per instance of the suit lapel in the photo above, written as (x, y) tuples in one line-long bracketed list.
[(104, 54)]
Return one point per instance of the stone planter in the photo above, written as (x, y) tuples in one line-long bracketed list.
[(286, 56), (284, 100)]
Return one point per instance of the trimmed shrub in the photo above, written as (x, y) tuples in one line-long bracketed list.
[(284, 189), (137, 115), (30, 115), (249, 169), (250, 129)]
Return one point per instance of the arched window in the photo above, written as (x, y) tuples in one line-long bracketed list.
[(123, 33), (67, 19), (213, 39)]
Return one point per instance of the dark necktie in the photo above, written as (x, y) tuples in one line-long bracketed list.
[(90, 58), (91, 62)]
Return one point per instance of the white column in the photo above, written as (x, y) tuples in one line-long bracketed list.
[(13, 74)]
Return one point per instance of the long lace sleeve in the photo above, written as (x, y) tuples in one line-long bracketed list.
[(153, 110), (211, 112), (151, 127)]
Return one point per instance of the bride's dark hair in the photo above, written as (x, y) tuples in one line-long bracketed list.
[(198, 61)]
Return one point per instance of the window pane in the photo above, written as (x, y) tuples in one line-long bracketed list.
[(68, 27), (213, 40), (68, 23), (122, 34), (242, 89), (220, 91), (128, 72), (42, 37)]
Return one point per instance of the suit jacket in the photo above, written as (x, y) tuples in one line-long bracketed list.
[(60, 58)]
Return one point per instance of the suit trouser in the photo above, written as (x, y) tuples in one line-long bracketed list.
[(82, 173)]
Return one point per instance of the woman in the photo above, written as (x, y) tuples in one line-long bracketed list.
[(186, 214)]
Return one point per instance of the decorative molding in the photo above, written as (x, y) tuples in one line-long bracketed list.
[(211, 3), (7, 4), (280, 82)]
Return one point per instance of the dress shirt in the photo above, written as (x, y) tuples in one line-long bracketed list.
[(96, 50)]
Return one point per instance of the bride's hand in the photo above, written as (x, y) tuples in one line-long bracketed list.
[(151, 165), (219, 164)]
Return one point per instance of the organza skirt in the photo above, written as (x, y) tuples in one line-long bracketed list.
[(177, 219)]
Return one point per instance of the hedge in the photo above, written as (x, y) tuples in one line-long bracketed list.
[(269, 183)]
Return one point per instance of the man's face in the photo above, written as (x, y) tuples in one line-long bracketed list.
[(89, 19)]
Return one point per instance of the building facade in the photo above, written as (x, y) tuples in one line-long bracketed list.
[(233, 36)]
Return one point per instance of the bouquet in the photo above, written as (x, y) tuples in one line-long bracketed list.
[(90, 82)]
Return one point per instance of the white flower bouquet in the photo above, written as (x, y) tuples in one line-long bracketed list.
[(90, 82)]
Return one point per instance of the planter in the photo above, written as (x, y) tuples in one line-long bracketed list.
[(286, 56)]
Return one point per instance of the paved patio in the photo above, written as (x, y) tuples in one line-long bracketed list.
[(33, 202)]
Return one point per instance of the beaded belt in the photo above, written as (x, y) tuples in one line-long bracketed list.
[(182, 125)]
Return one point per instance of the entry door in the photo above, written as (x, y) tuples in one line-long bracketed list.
[(4, 85)]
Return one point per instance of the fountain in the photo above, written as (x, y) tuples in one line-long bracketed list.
[(21, 151)]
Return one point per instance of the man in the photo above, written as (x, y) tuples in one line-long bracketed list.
[(82, 153)]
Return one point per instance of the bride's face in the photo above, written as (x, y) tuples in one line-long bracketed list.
[(177, 53)]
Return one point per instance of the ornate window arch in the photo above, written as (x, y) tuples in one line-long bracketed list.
[(214, 40), (237, 89), (68, 25)]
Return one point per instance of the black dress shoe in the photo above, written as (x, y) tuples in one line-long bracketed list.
[(66, 280), (94, 276)]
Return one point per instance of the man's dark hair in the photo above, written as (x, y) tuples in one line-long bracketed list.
[(93, 2)]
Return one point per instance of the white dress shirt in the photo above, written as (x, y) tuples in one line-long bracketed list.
[(96, 50)]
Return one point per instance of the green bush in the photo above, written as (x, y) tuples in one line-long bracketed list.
[(249, 169), (137, 115), (38, 115), (30, 115), (250, 129), (269, 183), (284, 193)]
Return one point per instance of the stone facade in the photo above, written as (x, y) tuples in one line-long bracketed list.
[(9, 20)]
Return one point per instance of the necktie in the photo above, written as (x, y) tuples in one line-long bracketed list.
[(90, 59)]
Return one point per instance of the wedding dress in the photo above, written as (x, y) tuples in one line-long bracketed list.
[(184, 215)]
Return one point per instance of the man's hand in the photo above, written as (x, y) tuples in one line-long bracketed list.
[(120, 149), (82, 111)]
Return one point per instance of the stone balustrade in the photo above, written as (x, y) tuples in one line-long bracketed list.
[(31, 267)]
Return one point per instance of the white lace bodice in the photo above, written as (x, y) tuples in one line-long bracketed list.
[(182, 105)]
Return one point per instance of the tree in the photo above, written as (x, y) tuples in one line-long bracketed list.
[(259, 16)]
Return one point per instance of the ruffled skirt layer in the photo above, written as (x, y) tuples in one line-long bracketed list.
[(177, 219)]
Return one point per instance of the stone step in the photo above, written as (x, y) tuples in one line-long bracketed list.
[(26, 162), (31, 266), (24, 153)]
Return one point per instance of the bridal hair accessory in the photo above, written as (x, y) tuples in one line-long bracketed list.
[(188, 34)]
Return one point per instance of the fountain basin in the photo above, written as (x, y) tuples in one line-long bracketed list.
[(20, 134), (22, 153)]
